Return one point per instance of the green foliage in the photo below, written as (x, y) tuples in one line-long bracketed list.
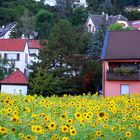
[(91, 73), (66, 45), (3, 64), (96, 43), (132, 15), (44, 23), (79, 16), (44, 83), (125, 71), (118, 27)]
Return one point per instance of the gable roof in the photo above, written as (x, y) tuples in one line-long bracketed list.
[(121, 45), (12, 44), (16, 77), (98, 20), (5, 29), (34, 44)]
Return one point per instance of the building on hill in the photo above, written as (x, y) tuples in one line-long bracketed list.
[(6, 30), (21, 52), (16, 83), (94, 21), (34, 48), (121, 63)]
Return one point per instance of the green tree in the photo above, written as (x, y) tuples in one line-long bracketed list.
[(44, 23), (28, 23), (66, 45), (3, 65), (44, 83), (79, 16), (119, 27), (65, 8)]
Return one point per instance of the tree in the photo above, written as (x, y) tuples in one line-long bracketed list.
[(118, 27), (3, 65), (65, 7), (96, 43), (44, 23), (79, 16), (28, 23), (44, 83), (65, 47)]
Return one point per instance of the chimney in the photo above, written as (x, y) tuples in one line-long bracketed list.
[(106, 16)]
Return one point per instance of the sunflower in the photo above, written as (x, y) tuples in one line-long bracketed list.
[(3, 130), (15, 113), (128, 134), (65, 138), (64, 129), (70, 121), (52, 126), (101, 114), (55, 137), (34, 128), (77, 115), (73, 132), (138, 118), (104, 126), (13, 129), (98, 133), (15, 119), (38, 129)]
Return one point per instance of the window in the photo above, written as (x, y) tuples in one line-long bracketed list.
[(89, 27), (12, 56), (125, 89), (26, 58)]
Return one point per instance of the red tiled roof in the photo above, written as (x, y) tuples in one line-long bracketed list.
[(34, 44), (16, 77), (12, 44)]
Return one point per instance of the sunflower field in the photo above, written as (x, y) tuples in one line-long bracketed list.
[(85, 117)]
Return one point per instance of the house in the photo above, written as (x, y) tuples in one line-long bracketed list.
[(16, 83), (94, 21), (21, 52), (34, 47), (17, 52), (121, 63), (6, 30)]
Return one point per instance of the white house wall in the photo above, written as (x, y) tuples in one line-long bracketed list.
[(14, 89), (21, 64), (89, 22), (32, 57)]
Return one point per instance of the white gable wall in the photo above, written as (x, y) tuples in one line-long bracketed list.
[(90, 26), (32, 57), (14, 89)]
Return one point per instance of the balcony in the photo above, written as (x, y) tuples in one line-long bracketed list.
[(112, 76)]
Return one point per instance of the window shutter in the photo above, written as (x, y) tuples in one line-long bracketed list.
[(5, 55), (18, 57)]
